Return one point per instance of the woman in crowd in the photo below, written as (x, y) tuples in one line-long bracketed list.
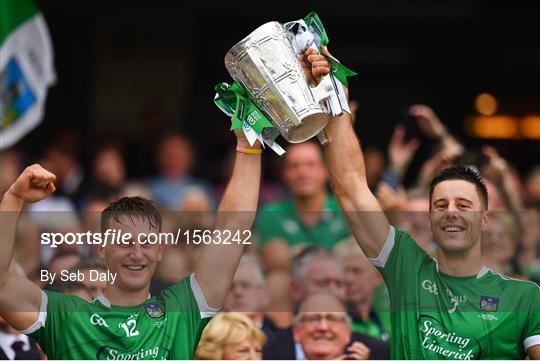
[(231, 336)]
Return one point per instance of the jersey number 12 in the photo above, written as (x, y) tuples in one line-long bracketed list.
[(129, 327)]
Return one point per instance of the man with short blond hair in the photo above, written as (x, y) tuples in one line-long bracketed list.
[(126, 322)]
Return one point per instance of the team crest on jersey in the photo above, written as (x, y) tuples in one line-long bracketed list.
[(154, 309), (489, 304)]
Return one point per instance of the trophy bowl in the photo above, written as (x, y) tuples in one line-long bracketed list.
[(265, 63)]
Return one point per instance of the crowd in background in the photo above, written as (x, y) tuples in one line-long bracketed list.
[(302, 259)]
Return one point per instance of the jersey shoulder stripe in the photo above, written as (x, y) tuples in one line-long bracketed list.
[(503, 277), (382, 258), (42, 317), (204, 309)]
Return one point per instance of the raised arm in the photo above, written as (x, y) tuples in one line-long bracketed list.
[(236, 213), (348, 178), (20, 299)]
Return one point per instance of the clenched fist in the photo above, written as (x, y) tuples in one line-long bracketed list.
[(314, 65), (34, 184)]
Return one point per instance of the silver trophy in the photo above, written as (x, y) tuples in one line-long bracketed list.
[(266, 65)]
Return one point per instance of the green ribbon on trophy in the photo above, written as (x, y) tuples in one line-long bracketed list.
[(233, 100), (340, 71)]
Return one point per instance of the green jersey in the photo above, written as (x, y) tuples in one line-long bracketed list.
[(371, 327), (437, 316), (167, 326), (281, 221)]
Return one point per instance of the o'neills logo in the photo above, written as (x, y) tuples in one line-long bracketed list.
[(112, 353), (448, 344)]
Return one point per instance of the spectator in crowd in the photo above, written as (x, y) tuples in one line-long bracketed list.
[(62, 158), (447, 148), (195, 209), (529, 247), (310, 216), (231, 336), (136, 189), (109, 167), (249, 294), (173, 267), (272, 187), (322, 328), (532, 188), (314, 270), (95, 266), (63, 261), (97, 200), (61, 211), (416, 217), (499, 243), (375, 164), (175, 159), (361, 282), (322, 331), (15, 345), (408, 211), (69, 287), (404, 209)]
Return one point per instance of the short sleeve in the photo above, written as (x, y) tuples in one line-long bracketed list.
[(187, 296), (399, 259), (53, 317), (532, 327)]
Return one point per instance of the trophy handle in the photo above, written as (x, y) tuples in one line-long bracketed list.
[(321, 136)]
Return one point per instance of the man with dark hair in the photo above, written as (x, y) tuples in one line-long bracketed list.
[(310, 217), (462, 173), (126, 322), (452, 308), (175, 159)]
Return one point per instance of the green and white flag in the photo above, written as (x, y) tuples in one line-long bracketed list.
[(26, 69)]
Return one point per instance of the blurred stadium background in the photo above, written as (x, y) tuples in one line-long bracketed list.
[(130, 69)]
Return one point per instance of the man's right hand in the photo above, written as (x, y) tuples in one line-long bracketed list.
[(34, 184), (314, 65)]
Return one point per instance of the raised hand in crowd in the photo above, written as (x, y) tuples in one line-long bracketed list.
[(400, 151), (496, 167), (428, 121), (356, 351), (441, 159), (432, 126), (393, 203), (449, 148), (500, 173)]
